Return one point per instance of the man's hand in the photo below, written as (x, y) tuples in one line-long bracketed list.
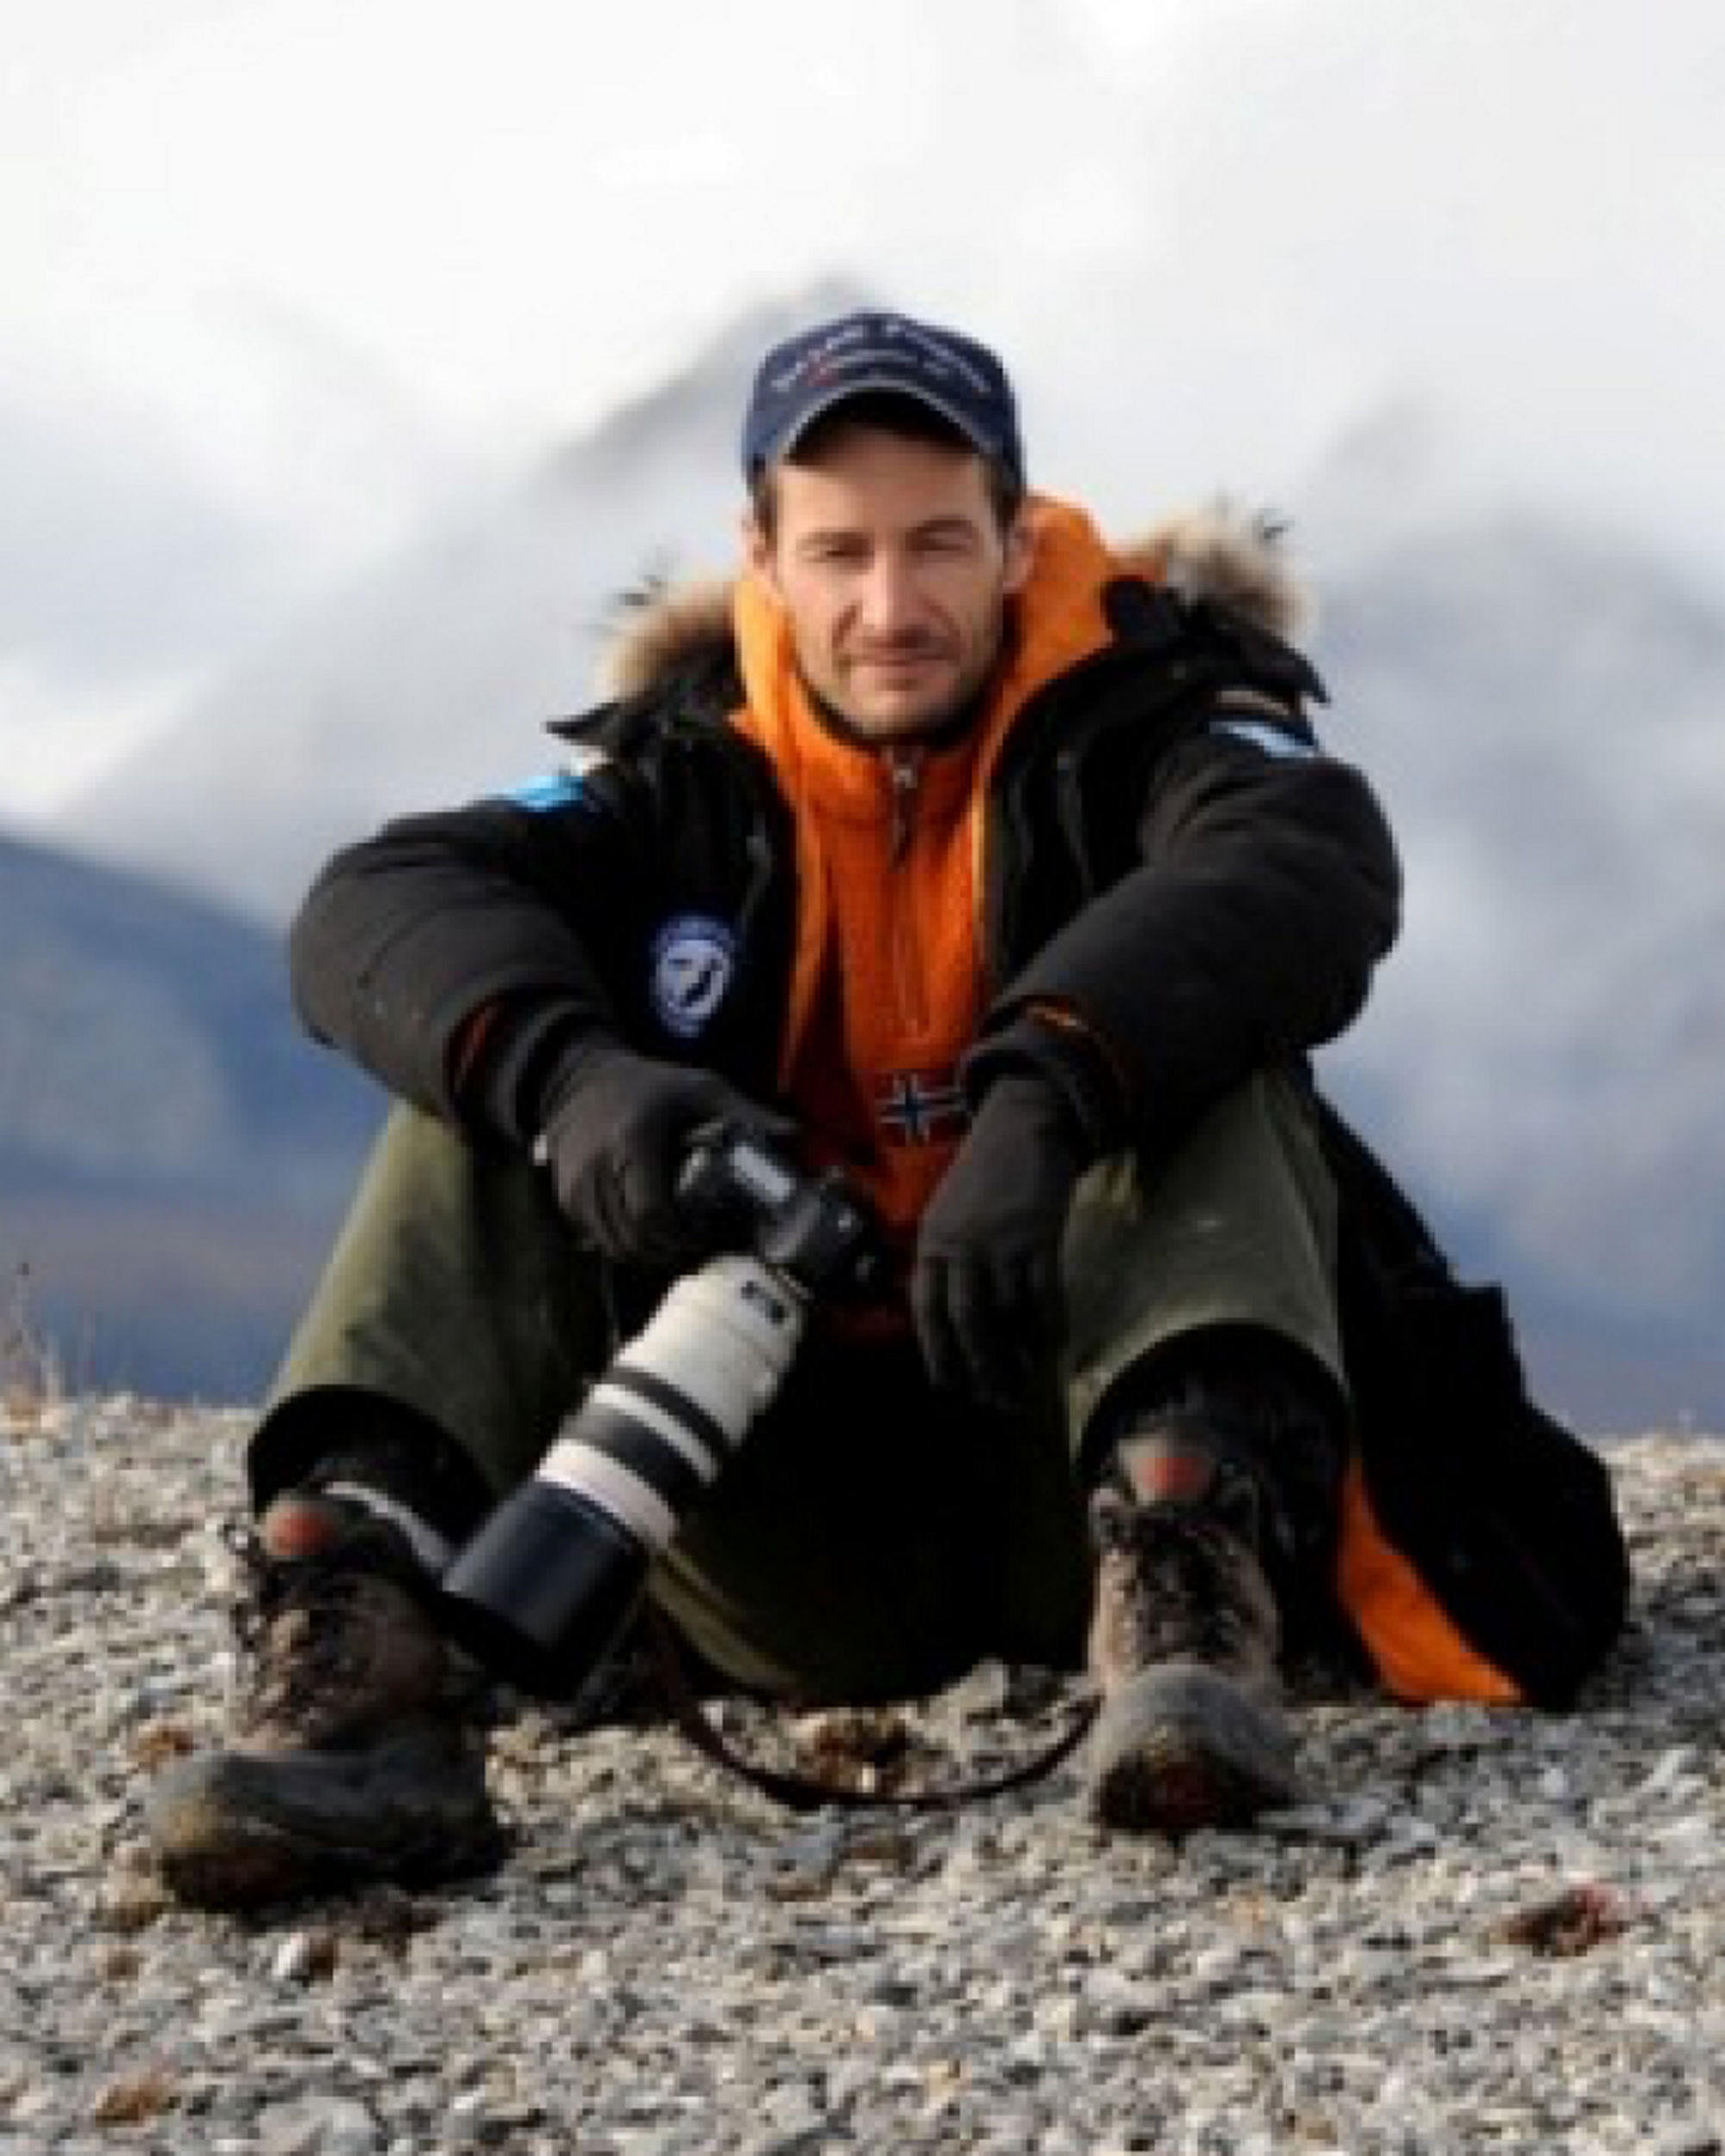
[(617, 1129), (985, 1290)]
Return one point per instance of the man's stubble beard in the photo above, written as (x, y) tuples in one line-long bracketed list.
[(939, 731)]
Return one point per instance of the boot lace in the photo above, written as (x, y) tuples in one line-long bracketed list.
[(301, 1626), (1186, 1593)]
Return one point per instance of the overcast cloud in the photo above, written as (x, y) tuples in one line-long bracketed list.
[(282, 276)]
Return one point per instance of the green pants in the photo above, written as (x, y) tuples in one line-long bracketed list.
[(872, 1538)]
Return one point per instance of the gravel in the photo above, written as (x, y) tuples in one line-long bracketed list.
[(1483, 1931)]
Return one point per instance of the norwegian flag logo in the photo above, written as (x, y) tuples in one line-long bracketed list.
[(920, 1107)]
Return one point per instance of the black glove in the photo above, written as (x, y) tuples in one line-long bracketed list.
[(986, 1289), (617, 1129)]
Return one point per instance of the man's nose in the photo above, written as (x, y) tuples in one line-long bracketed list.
[(888, 595)]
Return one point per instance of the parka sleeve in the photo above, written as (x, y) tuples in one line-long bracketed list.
[(407, 936), (1268, 890)]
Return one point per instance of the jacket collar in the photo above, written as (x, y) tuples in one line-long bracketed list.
[(669, 633)]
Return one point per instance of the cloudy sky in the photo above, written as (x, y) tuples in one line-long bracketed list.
[(279, 278)]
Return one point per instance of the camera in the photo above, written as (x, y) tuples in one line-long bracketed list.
[(543, 1590)]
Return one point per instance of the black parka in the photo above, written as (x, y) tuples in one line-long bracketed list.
[(1169, 856), (1167, 853)]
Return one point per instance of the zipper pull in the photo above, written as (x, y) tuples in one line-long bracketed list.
[(906, 777)]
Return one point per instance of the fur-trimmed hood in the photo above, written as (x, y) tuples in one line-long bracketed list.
[(1216, 554)]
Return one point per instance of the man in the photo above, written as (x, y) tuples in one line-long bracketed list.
[(1000, 870)]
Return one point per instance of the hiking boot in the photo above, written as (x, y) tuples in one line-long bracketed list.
[(346, 1761), (1183, 1646)]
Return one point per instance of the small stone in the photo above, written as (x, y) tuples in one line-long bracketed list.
[(320, 2125), (133, 2099), (307, 1957), (1696, 2139), (132, 1895)]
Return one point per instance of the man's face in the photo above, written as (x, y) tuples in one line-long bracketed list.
[(893, 572)]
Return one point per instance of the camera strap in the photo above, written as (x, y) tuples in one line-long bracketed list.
[(810, 1793)]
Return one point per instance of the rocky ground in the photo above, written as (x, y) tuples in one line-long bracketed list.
[(1485, 1931)]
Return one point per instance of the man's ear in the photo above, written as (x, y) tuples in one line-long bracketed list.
[(757, 552), (1021, 550)]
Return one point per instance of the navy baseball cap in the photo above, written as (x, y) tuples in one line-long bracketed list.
[(810, 374)]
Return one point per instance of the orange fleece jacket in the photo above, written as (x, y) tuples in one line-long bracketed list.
[(887, 986)]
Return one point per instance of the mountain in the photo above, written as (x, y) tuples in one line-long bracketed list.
[(429, 681), (1542, 712), (173, 1155)]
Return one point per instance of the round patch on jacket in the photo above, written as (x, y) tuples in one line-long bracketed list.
[(693, 958)]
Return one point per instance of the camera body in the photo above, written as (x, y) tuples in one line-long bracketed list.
[(543, 1590), (811, 1231)]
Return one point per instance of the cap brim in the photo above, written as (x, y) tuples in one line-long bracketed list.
[(879, 385)]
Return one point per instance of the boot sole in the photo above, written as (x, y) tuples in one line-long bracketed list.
[(1180, 1748), (234, 1830)]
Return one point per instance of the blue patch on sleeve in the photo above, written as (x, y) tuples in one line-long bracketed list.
[(551, 790), (1274, 741)]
